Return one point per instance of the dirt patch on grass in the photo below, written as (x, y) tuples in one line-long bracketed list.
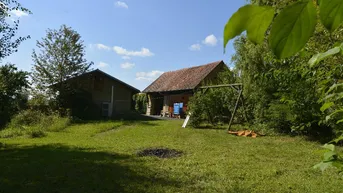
[(160, 152)]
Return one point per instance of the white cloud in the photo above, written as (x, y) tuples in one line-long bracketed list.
[(195, 47), (100, 47), (126, 57), (102, 65), (18, 13), (121, 4), (148, 75), (127, 65), (144, 52), (210, 40)]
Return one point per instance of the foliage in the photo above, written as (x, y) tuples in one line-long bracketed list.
[(13, 82), (34, 124), (331, 158), (213, 161), (291, 29), (140, 101), (61, 57), (8, 30), (213, 105), (259, 19), (295, 27), (40, 103)]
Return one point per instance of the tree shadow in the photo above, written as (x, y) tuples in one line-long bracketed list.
[(58, 168), (128, 117)]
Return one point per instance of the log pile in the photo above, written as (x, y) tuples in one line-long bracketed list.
[(245, 133)]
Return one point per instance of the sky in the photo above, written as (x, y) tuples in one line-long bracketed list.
[(133, 40)]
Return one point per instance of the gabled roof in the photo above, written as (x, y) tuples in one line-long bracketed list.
[(103, 73), (113, 78), (184, 79)]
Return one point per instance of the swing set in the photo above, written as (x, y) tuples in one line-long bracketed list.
[(237, 87)]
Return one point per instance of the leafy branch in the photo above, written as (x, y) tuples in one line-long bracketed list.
[(290, 29)]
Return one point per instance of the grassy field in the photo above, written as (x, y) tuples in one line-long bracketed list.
[(101, 157)]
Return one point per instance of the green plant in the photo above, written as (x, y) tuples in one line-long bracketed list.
[(34, 124), (291, 29), (36, 132), (12, 84), (26, 118), (331, 158), (140, 100), (214, 105)]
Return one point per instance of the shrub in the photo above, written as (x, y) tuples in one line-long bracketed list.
[(36, 132), (214, 107), (140, 101), (279, 116), (34, 124), (26, 118)]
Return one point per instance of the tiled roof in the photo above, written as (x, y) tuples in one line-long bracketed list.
[(184, 79)]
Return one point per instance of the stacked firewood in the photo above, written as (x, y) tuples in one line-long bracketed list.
[(245, 133)]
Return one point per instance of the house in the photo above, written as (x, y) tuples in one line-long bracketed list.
[(108, 95), (178, 86)]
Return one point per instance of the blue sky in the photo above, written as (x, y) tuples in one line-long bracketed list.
[(134, 40)]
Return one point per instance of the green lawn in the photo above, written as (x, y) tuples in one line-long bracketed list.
[(101, 157)]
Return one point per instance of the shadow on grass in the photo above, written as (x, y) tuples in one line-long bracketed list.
[(57, 168), (132, 117)]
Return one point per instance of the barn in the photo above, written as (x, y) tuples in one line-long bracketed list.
[(169, 94)]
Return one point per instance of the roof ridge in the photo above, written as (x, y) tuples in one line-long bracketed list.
[(192, 67), (116, 79)]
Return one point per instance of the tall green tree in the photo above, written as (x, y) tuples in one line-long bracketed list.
[(8, 41), (13, 82), (60, 56)]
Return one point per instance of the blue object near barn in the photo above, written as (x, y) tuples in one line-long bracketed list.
[(178, 108)]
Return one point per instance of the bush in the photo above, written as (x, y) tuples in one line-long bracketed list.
[(140, 101), (213, 107), (26, 118), (34, 124), (279, 116), (36, 132)]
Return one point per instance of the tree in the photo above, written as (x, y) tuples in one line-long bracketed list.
[(8, 42), (61, 56), (13, 82)]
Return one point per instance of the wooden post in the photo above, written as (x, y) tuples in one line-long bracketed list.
[(234, 110)]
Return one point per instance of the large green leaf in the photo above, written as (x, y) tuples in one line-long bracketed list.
[(331, 13), (251, 18), (292, 28)]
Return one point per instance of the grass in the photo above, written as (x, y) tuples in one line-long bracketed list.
[(101, 157)]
